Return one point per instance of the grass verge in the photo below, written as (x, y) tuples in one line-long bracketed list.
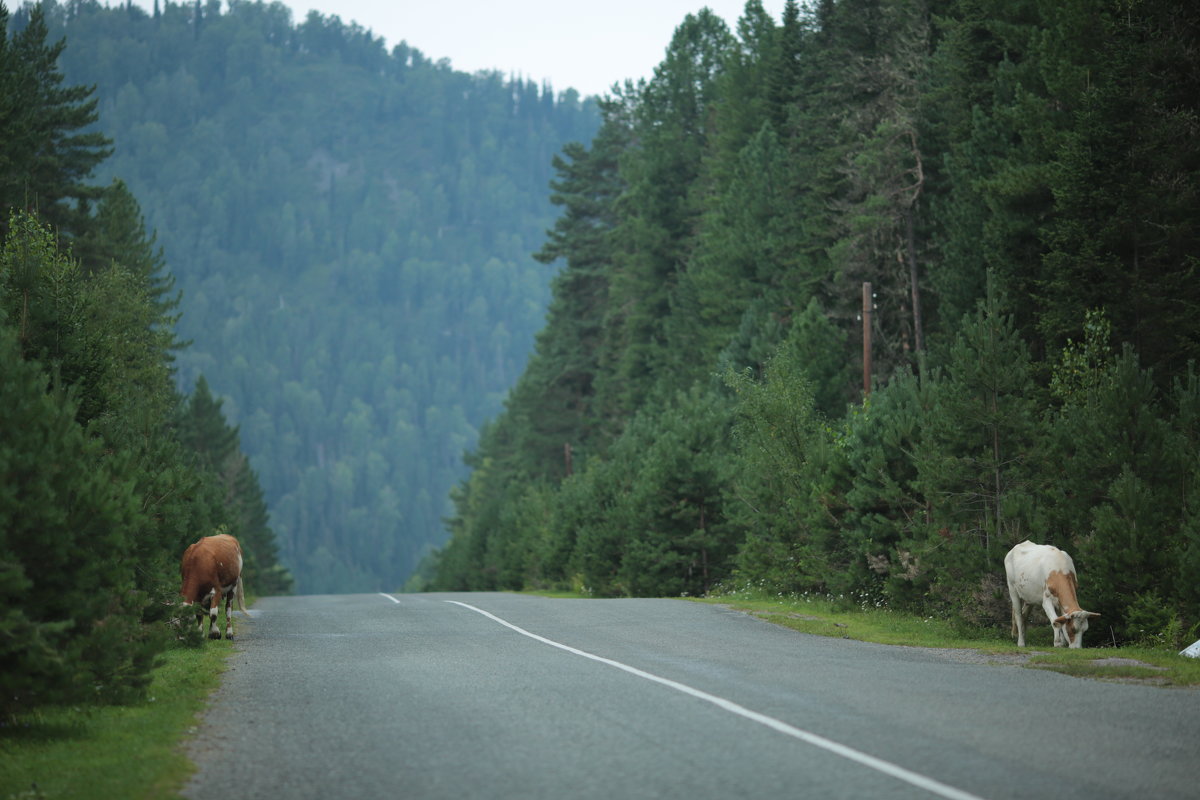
[(113, 751), (825, 617)]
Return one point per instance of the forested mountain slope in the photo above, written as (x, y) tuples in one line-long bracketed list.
[(351, 230), (1018, 183)]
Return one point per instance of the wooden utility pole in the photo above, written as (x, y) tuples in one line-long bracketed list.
[(866, 320)]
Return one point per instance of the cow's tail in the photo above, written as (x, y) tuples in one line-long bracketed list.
[(241, 598)]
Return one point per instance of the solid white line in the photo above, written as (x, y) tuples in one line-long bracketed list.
[(389, 597), (878, 764)]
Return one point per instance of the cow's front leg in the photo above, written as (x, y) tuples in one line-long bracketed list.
[(1052, 613)]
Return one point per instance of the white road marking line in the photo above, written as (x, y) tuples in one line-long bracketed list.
[(878, 764), (389, 597)]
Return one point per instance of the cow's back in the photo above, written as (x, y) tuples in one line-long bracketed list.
[(214, 562), (1028, 565)]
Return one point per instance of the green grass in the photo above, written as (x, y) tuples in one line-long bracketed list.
[(135, 751), (1154, 666), (826, 617), (557, 594)]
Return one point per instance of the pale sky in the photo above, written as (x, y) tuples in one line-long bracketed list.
[(587, 46)]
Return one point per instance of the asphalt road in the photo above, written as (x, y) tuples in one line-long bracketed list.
[(513, 696)]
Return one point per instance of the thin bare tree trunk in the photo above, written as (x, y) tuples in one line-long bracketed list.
[(911, 248)]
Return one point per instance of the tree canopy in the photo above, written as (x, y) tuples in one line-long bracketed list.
[(1016, 182)]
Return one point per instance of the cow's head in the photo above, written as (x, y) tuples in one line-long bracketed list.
[(1069, 628)]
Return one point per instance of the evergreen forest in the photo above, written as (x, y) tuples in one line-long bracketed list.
[(853, 301), (351, 230), (107, 471)]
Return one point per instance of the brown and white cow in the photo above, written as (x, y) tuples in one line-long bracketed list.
[(211, 569), (1041, 574)]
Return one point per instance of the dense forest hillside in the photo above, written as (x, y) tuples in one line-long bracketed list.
[(1003, 195), (107, 472), (351, 230)]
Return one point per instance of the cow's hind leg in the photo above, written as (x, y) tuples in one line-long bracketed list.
[(1019, 610), (229, 613), (214, 627)]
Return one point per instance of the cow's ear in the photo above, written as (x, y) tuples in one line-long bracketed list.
[(1060, 621), (1092, 615)]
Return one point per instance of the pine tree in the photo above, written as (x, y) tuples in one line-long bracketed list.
[(983, 432), (677, 499), (743, 258), (878, 522), (48, 151), (779, 438), (117, 235), (214, 448), (787, 68), (561, 374), (1112, 490), (1186, 400), (71, 625), (596, 540), (1125, 234), (41, 295), (205, 432), (742, 268), (671, 122), (886, 52), (979, 463)]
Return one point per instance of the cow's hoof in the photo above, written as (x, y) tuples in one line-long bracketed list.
[(215, 635)]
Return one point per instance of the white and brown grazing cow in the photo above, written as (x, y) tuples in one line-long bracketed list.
[(1041, 574), (211, 569)]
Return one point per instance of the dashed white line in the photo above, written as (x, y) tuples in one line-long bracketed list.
[(389, 597), (886, 767)]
